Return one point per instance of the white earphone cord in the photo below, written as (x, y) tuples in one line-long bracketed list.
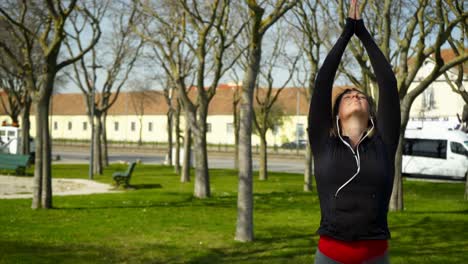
[(356, 155)]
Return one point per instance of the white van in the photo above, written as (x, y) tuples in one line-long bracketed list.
[(441, 154), (10, 140)]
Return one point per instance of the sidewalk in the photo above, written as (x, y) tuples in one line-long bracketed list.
[(162, 150)]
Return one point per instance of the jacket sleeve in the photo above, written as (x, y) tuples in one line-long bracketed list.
[(388, 113), (320, 112)]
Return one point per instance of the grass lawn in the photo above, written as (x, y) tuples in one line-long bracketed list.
[(160, 222)]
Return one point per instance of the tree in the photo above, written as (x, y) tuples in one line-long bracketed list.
[(140, 96), (13, 85), (13, 82), (210, 35), (266, 115), (213, 36), (168, 91), (114, 63), (49, 35), (421, 29), (236, 122), (258, 26), (164, 27), (311, 33)]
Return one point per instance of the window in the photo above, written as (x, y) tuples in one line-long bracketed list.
[(150, 126), (116, 126), (425, 148), (275, 130), (132, 126), (208, 127), (230, 128), (85, 126), (300, 130), (458, 148), (70, 126), (55, 125)]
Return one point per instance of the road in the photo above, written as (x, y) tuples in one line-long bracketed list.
[(214, 160)]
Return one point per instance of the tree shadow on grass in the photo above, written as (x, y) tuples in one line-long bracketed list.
[(146, 186), (42, 252), (63, 252), (438, 212), (263, 201), (295, 246), (434, 237)]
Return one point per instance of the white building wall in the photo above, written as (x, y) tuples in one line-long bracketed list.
[(70, 127), (446, 103), (219, 134)]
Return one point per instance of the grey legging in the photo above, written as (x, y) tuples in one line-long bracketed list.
[(320, 258)]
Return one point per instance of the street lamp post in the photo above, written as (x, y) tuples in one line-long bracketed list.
[(297, 120), (91, 156)]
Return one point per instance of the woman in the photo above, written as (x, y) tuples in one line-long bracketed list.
[(354, 152)]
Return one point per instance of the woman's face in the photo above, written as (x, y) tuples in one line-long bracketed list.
[(354, 103)]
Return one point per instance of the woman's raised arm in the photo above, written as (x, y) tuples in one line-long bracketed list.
[(320, 112), (388, 113)]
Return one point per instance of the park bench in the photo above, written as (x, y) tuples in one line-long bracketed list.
[(14, 162), (121, 177)]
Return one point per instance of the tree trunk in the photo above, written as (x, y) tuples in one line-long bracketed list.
[(42, 188), (466, 186), (244, 226), (37, 183), (169, 138), (177, 141), (25, 127), (396, 200), (308, 170), (14, 119), (185, 176), (97, 162), (202, 177), (263, 173), (236, 136), (105, 153), (46, 157), (140, 132)]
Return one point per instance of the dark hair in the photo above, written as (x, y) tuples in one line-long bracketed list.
[(336, 109)]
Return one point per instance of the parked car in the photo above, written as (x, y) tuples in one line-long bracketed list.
[(435, 154), (293, 144)]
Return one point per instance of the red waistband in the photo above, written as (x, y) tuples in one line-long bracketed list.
[(351, 252)]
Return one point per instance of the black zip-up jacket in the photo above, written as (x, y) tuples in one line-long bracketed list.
[(354, 185)]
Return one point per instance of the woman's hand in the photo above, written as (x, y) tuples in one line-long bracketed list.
[(354, 10)]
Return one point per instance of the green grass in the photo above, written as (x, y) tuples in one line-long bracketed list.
[(160, 222)]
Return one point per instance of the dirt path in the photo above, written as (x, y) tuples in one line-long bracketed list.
[(12, 187)]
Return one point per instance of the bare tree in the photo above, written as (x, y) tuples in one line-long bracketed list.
[(213, 36), (177, 140), (312, 31), (18, 102), (420, 29), (164, 28), (239, 66), (140, 96), (266, 116), (49, 36), (209, 38), (168, 91), (258, 26), (13, 81), (13, 86), (115, 64)]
